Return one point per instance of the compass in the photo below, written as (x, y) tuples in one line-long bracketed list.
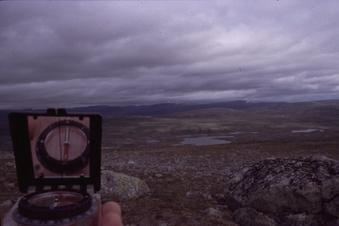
[(63, 146), (58, 157)]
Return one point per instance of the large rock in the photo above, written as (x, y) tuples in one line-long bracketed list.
[(118, 186), (284, 188), (300, 220), (251, 217), (332, 207)]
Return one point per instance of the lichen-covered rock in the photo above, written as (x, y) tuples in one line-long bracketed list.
[(300, 220), (283, 187), (118, 186), (251, 217), (332, 207), (212, 212)]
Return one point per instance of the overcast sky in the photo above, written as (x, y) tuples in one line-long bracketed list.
[(62, 54)]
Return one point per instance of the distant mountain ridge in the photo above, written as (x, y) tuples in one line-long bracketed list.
[(156, 109), (169, 108), (322, 107)]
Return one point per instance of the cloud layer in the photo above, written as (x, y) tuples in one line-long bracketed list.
[(139, 52)]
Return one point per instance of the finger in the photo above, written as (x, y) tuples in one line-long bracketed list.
[(111, 219), (111, 207)]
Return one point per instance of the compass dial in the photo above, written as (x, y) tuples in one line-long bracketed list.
[(71, 142), (63, 147)]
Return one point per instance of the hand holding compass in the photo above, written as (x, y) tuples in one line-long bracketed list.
[(58, 163)]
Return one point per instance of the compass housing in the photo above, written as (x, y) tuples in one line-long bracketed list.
[(54, 205), (35, 152)]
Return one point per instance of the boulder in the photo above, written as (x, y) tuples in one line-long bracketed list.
[(120, 187), (251, 217), (332, 207), (212, 212), (287, 189), (300, 219)]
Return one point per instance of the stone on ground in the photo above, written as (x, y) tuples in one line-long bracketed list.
[(300, 191), (119, 187)]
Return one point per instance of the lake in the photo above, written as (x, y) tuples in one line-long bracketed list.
[(205, 140), (307, 131)]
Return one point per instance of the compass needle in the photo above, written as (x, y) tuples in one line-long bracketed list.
[(66, 143)]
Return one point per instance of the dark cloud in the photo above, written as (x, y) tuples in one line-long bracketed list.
[(140, 52)]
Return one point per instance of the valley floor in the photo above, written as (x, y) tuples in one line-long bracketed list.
[(186, 182)]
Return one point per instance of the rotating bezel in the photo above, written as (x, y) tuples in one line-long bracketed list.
[(27, 208)]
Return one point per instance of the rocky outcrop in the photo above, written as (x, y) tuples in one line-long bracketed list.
[(302, 191), (251, 217), (119, 187)]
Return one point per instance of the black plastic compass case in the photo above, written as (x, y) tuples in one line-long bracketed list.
[(58, 158)]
